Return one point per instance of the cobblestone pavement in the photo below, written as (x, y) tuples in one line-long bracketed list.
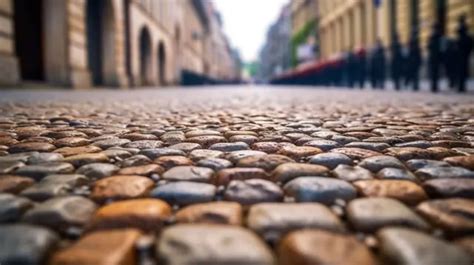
[(236, 176)]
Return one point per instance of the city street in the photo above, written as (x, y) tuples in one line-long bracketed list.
[(236, 175)]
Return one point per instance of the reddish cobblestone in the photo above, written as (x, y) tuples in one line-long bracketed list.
[(249, 176)]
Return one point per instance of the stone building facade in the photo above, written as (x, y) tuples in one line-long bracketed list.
[(355, 24), (219, 61), (113, 43), (275, 56), (304, 39), (302, 11)]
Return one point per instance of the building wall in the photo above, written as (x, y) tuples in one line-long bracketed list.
[(302, 11), (346, 25), (367, 23), (218, 54), (143, 16), (113, 70), (68, 43), (275, 56), (193, 40), (64, 44)]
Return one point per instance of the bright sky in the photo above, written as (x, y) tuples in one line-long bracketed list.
[(246, 23)]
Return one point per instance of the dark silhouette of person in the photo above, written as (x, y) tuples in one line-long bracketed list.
[(396, 63), (404, 75), (379, 65), (413, 62), (435, 55), (371, 67), (465, 46), (351, 68), (361, 67), (451, 56)]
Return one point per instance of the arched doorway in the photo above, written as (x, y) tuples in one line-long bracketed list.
[(28, 20), (146, 75), (161, 64), (101, 42)]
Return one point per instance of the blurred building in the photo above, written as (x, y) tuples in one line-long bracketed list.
[(302, 12), (238, 65), (83, 43), (346, 25), (220, 63), (304, 41), (275, 56)]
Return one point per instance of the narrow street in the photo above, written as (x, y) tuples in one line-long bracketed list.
[(219, 175)]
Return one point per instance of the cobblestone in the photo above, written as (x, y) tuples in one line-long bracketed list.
[(185, 192), (313, 247), (212, 212), (217, 176), (61, 213), (102, 247), (319, 189), (12, 207), (36, 243), (272, 220), (406, 246), (220, 245)]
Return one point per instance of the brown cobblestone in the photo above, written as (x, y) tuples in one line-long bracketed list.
[(101, 248), (369, 161), (144, 214)]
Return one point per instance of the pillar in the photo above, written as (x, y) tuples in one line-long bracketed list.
[(77, 49), (358, 26), (371, 23), (9, 68), (55, 52)]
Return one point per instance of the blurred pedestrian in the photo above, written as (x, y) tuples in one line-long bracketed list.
[(465, 46), (351, 68), (413, 62), (372, 71), (378, 65), (435, 55), (361, 67), (450, 58), (405, 74), (396, 62)]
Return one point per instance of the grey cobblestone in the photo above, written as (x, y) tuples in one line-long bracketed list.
[(152, 160)]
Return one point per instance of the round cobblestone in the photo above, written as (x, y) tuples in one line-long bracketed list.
[(372, 161)]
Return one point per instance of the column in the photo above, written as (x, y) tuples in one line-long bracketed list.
[(77, 50), (358, 26), (8, 61), (347, 33), (55, 48), (371, 29), (334, 38)]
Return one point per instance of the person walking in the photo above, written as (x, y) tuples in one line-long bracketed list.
[(396, 62), (372, 69), (379, 65), (450, 58), (465, 46), (413, 62), (361, 67), (351, 68), (435, 56)]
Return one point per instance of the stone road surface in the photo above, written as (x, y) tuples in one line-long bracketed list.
[(236, 176)]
